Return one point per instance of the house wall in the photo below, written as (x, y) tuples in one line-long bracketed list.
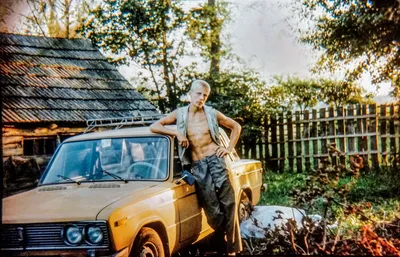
[(16, 139)]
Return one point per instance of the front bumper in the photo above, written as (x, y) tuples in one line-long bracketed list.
[(69, 253)]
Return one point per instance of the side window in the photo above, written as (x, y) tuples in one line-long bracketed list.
[(177, 162), (39, 146)]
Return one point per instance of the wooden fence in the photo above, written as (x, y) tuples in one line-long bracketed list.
[(296, 141)]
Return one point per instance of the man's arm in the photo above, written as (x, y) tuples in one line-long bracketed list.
[(159, 127), (235, 133)]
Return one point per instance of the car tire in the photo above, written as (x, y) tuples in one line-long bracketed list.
[(244, 207), (148, 244)]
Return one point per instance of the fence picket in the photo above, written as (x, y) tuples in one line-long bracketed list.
[(274, 144), (281, 144), (314, 134), (290, 140), (299, 156), (306, 135), (382, 125), (341, 131), (350, 130), (323, 131), (373, 128), (297, 140)]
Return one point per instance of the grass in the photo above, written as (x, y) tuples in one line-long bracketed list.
[(380, 188), (279, 187)]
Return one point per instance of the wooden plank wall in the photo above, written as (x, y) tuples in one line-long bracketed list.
[(13, 138), (296, 141)]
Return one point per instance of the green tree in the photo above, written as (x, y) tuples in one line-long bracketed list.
[(339, 93), (205, 24), (362, 35), (303, 92), (146, 32), (241, 95)]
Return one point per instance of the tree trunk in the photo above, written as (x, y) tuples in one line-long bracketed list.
[(215, 42), (66, 15), (172, 104)]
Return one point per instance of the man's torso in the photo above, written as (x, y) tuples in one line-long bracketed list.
[(198, 134)]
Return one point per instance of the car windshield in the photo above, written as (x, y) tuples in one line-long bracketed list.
[(140, 158)]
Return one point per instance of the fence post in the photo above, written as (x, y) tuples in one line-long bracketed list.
[(350, 130), (267, 142), (392, 132), (341, 131), (253, 144), (299, 156), (281, 144), (260, 145), (314, 134), (362, 145), (373, 125), (274, 144), (306, 136), (332, 131), (289, 119), (383, 133), (323, 131)]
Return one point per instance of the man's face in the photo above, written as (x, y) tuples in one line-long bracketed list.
[(199, 95)]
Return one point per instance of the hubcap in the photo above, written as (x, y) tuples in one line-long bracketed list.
[(149, 250)]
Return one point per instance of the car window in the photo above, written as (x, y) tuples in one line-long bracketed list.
[(144, 158)]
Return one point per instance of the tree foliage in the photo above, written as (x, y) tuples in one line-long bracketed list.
[(306, 93), (143, 31), (303, 92), (359, 34), (204, 28), (339, 93), (239, 95)]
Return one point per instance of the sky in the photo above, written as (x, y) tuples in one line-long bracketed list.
[(262, 34)]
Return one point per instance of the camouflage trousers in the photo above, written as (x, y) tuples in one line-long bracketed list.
[(216, 196)]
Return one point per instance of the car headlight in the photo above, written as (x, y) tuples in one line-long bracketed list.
[(94, 234), (72, 235)]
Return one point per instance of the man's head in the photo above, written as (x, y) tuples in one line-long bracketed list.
[(199, 92)]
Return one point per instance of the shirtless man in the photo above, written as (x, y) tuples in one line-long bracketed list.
[(200, 146)]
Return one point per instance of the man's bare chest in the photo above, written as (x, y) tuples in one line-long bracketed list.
[(197, 126)]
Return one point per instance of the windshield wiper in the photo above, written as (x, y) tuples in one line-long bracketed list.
[(69, 179), (115, 176)]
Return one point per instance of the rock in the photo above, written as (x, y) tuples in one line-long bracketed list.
[(264, 217)]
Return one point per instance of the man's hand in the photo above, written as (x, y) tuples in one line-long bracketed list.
[(183, 141), (222, 151)]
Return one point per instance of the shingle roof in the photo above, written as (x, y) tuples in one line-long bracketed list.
[(62, 80)]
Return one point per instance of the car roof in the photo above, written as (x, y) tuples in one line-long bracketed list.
[(114, 133)]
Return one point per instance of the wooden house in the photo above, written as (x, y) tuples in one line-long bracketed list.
[(51, 86)]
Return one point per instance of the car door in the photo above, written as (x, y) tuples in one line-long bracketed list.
[(192, 220)]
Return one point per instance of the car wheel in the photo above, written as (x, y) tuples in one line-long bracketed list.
[(244, 208), (149, 244)]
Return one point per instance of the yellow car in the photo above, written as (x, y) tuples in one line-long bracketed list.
[(116, 193)]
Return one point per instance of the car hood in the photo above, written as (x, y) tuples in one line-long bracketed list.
[(67, 202)]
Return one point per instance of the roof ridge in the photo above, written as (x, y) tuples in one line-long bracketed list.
[(53, 66), (35, 36), (78, 88), (45, 42), (66, 78), (93, 49)]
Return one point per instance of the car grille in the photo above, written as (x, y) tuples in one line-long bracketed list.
[(44, 236)]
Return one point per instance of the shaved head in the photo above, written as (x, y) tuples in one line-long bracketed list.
[(199, 83)]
